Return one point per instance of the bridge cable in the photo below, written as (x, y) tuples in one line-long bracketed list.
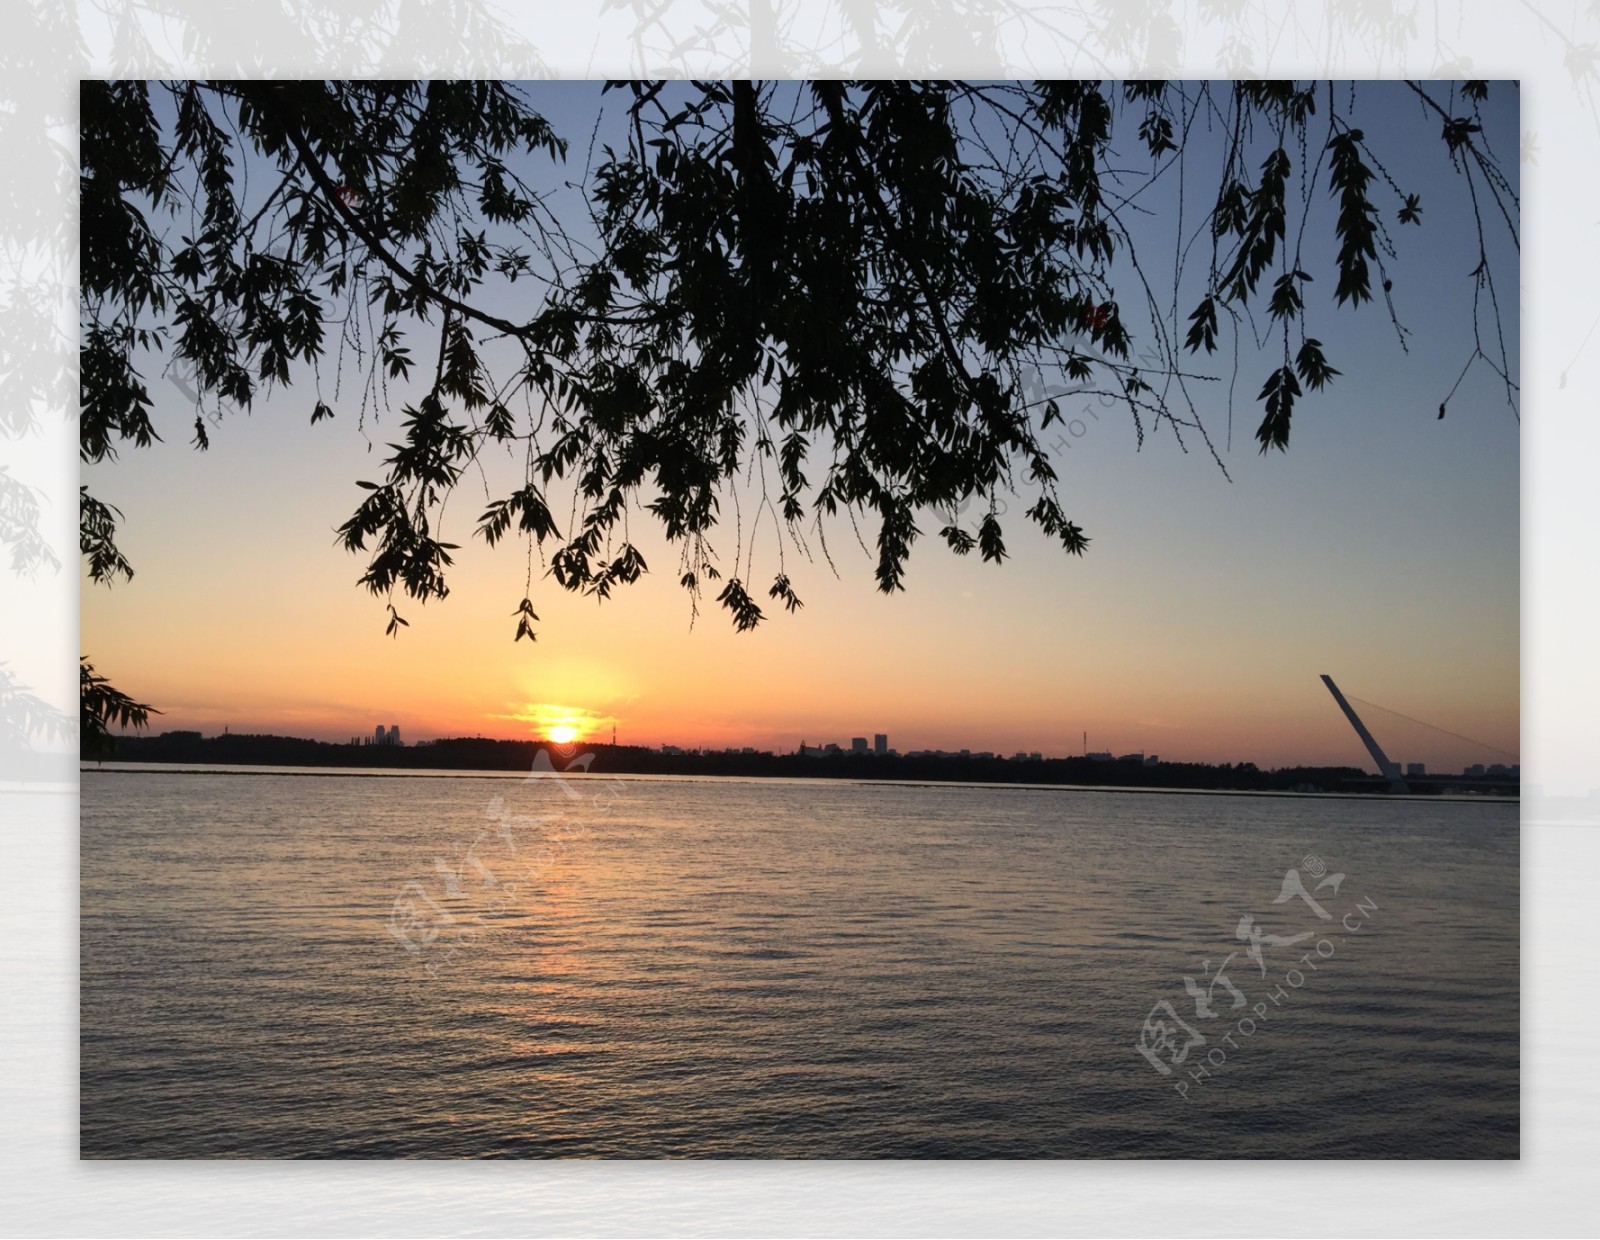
[(1481, 744)]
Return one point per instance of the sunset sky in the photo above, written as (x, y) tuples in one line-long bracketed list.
[(1382, 548)]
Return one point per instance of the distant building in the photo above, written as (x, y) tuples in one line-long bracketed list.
[(1099, 757), (1151, 759), (1416, 770), (858, 744), (1132, 757), (378, 736), (1474, 771), (394, 734), (880, 743)]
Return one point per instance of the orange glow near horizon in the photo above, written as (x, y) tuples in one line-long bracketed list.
[(1026, 657), (555, 722)]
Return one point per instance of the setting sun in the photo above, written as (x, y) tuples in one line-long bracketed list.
[(557, 722)]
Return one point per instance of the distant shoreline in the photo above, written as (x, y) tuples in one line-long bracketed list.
[(121, 767), (487, 757)]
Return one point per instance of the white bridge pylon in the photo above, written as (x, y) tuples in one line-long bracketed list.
[(1386, 768)]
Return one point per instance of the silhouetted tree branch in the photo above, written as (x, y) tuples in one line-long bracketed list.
[(100, 707), (845, 293)]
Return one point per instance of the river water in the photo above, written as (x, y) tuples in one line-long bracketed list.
[(279, 964)]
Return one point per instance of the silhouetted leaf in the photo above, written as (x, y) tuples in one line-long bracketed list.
[(1203, 327), (1279, 392), (1313, 367), (746, 615)]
